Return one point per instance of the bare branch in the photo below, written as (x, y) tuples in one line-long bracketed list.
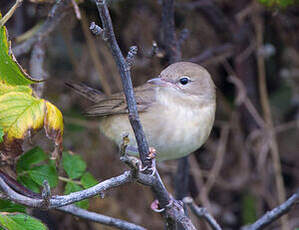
[(126, 81), (171, 45), (8, 15), (95, 217), (274, 214), (57, 13), (58, 201), (36, 66), (202, 212)]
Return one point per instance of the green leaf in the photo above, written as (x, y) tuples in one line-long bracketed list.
[(44, 172), (9, 206), (29, 158), (8, 223), (73, 165), (11, 72), (21, 222), (72, 187), (87, 180), (1, 134), (29, 183)]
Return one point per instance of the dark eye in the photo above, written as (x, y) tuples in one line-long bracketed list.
[(184, 80)]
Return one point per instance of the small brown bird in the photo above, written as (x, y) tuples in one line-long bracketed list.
[(176, 110)]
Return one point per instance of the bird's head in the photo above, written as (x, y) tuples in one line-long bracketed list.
[(186, 80)]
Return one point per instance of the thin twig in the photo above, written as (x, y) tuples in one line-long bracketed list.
[(172, 209), (258, 23), (95, 217), (274, 214), (57, 13), (36, 66), (94, 55), (202, 213), (8, 15), (126, 81)]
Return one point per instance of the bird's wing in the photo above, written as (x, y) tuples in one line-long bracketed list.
[(89, 93), (116, 103)]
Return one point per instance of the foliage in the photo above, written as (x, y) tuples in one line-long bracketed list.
[(279, 3), (21, 113), (16, 221)]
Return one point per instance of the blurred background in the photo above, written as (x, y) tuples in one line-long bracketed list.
[(247, 46)]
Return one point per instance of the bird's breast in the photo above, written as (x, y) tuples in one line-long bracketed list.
[(173, 128)]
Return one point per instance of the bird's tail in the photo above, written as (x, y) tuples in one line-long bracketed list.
[(91, 94)]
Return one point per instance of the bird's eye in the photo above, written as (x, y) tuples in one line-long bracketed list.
[(184, 80)]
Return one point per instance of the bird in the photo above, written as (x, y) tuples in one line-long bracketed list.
[(176, 110)]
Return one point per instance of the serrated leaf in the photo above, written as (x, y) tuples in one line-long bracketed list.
[(9, 206), (8, 223), (29, 183), (73, 165), (21, 114), (20, 221), (1, 134), (29, 158), (87, 180), (44, 172), (72, 187), (11, 73)]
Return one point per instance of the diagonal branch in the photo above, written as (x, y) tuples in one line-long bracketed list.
[(57, 13), (125, 74), (274, 214)]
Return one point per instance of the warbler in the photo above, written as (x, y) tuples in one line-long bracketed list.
[(176, 110)]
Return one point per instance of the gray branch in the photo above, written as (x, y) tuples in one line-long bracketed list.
[(59, 201), (102, 219), (57, 13), (202, 213), (274, 214)]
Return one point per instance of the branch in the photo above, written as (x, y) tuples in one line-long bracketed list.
[(58, 201), (125, 74), (8, 15), (102, 219), (202, 212), (172, 209), (170, 43), (274, 214), (57, 13)]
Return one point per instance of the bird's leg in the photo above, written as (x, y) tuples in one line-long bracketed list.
[(156, 207)]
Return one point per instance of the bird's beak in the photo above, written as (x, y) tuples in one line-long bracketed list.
[(158, 81)]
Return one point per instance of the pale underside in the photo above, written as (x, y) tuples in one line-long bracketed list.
[(174, 128)]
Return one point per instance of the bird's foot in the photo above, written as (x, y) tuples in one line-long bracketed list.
[(156, 208)]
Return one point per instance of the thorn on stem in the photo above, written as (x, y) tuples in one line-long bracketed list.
[(131, 56), (97, 30), (46, 194)]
